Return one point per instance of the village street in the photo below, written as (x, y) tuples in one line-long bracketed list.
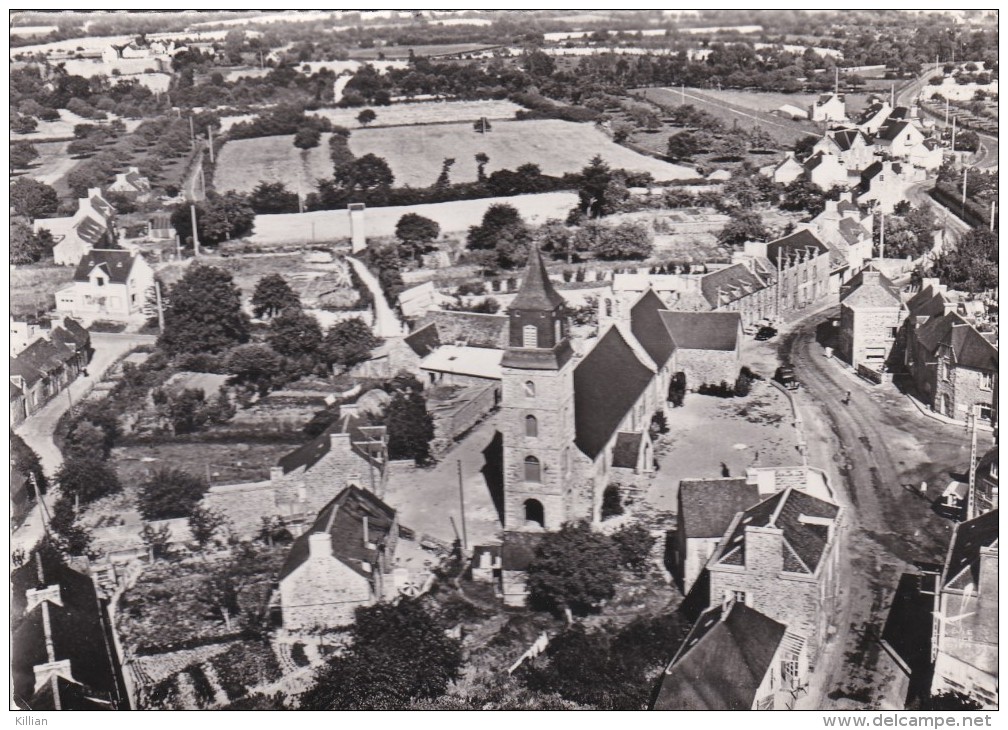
[(876, 449)]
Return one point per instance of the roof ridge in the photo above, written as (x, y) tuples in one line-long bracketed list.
[(780, 506)]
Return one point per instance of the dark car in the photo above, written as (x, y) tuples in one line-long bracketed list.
[(786, 377), (765, 333)]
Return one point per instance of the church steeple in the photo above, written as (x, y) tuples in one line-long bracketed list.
[(538, 337)]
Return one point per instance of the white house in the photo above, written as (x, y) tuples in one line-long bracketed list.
[(850, 146), (898, 138), (884, 184), (874, 117), (825, 170), (828, 108), (131, 182), (91, 226), (928, 155), (108, 284), (786, 171)]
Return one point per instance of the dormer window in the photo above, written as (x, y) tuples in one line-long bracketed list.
[(100, 280)]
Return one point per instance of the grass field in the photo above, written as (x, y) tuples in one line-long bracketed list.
[(769, 101), (32, 287), (52, 165), (243, 163)]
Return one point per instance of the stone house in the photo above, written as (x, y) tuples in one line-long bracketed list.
[(872, 118), (849, 146), (883, 184), (707, 346), (18, 407), (986, 482), (747, 286), (954, 367), (965, 634), (108, 284), (48, 365), (343, 561), (62, 654), (801, 265), (842, 227), (731, 660), (828, 108), (871, 314), (897, 138), (131, 183), (92, 226), (928, 155), (780, 558)]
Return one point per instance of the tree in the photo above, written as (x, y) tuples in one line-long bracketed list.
[(86, 440), (805, 196), (366, 116), (21, 124), (87, 478), (416, 235), (634, 544), (972, 264), (204, 313), (410, 427), (254, 366), (481, 162), (273, 295), (745, 226), (26, 462), (348, 342), (611, 504), (684, 145), (187, 411), (170, 493), (950, 700), (234, 41), (157, 541), (27, 246), (595, 179), (367, 178), (399, 653), (33, 199), (218, 218), (307, 137), (627, 240), (554, 236), (574, 568), (803, 147), (204, 524), (22, 153), (497, 218), (72, 538), (295, 333), (268, 198)]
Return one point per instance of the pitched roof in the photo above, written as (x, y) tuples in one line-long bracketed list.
[(312, 452), (870, 288), (927, 302), (962, 563), (91, 230), (647, 326), (469, 328), (134, 178), (814, 161), (870, 113), (892, 129), (969, 347), (723, 661), (845, 138), (730, 283), (536, 292), (423, 340), (117, 264), (518, 549), (703, 330), (798, 241), (478, 362), (851, 230), (343, 519), (102, 206), (607, 383), (987, 461), (39, 358), (708, 506), (626, 449), (803, 542)]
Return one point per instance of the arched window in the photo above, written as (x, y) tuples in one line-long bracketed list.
[(608, 307), (533, 470), (529, 389), (534, 512), (530, 336), (531, 426)]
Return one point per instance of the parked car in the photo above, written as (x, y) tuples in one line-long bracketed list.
[(786, 377), (765, 333)]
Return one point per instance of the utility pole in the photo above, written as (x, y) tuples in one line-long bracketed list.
[(836, 80), (946, 113), (160, 306), (974, 418), (465, 539), (202, 176), (209, 131), (993, 212), (682, 91), (892, 96), (953, 134), (192, 132), (195, 234), (965, 174), (881, 246), (178, 247)]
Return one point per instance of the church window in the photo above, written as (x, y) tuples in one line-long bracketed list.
[(533, 469), (531, 426), (608, 307), (534, 512), (529, 389), (530, 336)]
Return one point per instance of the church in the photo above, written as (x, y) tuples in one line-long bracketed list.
[(570, 424)]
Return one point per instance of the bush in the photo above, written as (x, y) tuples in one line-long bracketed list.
[(170, 493), (87, 478), (298, 654), (634, 543), (743, 384), (611, 504)]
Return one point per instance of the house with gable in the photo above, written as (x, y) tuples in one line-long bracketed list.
[(965, 643), (747, 287), (828, 108), (131, 183), (730, 660), (897, 138), (871, 314), (786, 171), (707, 345), (826, 171), (849, 146), (92, 226), (883, 185), (873, 117), (780, 558), (343, 561), (108, 284), (63, 655), (842, 227), (802, 267)]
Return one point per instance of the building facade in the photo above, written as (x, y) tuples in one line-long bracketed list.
[(871, 314)]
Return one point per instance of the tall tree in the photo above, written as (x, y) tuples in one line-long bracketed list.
[(273, 295), (349, 342), (87, 479), (29, 197), (574, 568), (255, 366), (410, 427), (366, 116), (416, 235), (170, 492), (972, 264), (25, 461), (205, 313), (295, 333), (595, 179), (745, 226)]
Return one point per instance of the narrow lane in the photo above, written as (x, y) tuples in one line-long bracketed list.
[(387, 323)]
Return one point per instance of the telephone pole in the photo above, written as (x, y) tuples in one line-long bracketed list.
[(195, 234), (192, 132), (209, 131), (160, 306), (465, 538)]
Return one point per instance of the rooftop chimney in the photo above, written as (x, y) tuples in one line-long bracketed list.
[(320, 545)]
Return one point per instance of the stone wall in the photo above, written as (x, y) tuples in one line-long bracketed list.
[(455, 417), (964, 389), (322, 592), (708, 366)]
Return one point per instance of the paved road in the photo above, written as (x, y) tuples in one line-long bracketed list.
[(870, 448), (387, 323), (37, 430), (192, 186)]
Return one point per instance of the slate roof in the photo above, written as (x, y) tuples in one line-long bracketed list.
[(15, 392), (708, 506), (40, 358), (470, 328), (312, 452), (723, 661), (343, 519), (814, 161), (76, 632), (134, 178), (647, 326), (91, 230), (962, 563), (927, 302), (969, 347), (797, 241), (734, 282), (536, 292), (851, 230), (868, 114), (703, 330), (892, 128), (117, 264), (845, 138), (870, 288), (803, 544), (518, 549), (102, 206), (607, 383), (626, 449), (423, 340)]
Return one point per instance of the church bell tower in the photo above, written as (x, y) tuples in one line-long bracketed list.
[(537, 405)]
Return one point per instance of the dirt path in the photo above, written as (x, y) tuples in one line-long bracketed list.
[(387, 323)]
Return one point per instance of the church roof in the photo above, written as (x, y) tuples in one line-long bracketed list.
[(536, 292), (607, 383), (703, 330), (647, 326)]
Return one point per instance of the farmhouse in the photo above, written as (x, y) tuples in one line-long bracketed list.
[(828, 108), (871, 314), (90, 227), (344, 560), (108, 284), (966, 613), (731, 660), (131, 183)]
